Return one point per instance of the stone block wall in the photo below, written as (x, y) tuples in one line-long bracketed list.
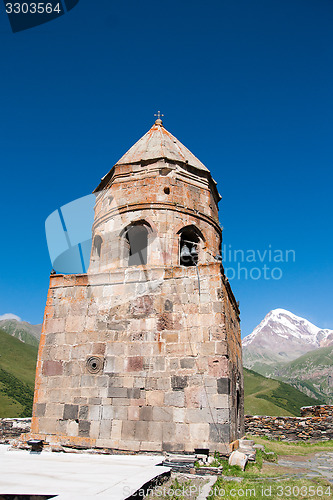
[(317, 411), (136, 193), (162, 380)]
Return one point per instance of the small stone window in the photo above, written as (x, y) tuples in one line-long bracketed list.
[(189, 246), (97, 246), (137, 239)]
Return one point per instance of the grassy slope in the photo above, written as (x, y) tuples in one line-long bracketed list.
[(9, 407), (285, 448), (319, 357), (17, 375), (264, 396), (311, 372), (29, 334), (264, 362)]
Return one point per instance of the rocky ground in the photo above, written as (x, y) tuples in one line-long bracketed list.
[(318, 464), (305, 472)]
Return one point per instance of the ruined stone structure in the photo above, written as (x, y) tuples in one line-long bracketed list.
[(314, 424), (143, 352)]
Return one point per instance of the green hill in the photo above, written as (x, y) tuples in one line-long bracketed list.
[(27, 333), (311, 373), (265, 396), (17, 376)]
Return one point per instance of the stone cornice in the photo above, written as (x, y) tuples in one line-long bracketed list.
[(157, 206)]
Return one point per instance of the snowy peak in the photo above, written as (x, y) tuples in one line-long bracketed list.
[(285, 325), (292, 349)]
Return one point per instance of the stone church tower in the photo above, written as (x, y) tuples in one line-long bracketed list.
[(143, 352)]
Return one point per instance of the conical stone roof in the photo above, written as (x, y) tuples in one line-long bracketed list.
[(159, 143)]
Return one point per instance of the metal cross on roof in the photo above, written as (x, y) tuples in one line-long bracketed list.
[(158, 114)]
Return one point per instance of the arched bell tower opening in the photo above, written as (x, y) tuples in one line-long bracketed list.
[(190, 242), (137, 245), (135, 241), (97, 247)]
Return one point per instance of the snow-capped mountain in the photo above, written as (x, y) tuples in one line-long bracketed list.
[(280, 338), (288, 326)]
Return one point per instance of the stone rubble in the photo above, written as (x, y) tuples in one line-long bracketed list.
[(11, 428), (315, 424)]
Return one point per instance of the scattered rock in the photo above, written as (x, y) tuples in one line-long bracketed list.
[(259, 447), (243, 443), (238, 458)]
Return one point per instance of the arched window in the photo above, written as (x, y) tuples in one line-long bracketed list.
[(189, 242), (97, 246), (137, 238)]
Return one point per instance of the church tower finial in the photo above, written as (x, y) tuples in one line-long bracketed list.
[(158, 121)]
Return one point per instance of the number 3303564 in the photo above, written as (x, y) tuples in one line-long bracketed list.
[(32, 8)]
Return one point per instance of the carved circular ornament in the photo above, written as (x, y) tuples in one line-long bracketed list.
[(94, 364)]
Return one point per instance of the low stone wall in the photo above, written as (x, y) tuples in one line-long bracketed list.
[(316, 424), (11, 428), (317, 411)]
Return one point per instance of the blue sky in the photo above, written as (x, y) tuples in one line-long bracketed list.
[(246, 86)]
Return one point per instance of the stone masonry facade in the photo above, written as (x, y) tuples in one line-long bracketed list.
[(145, 357), (315, 424)]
